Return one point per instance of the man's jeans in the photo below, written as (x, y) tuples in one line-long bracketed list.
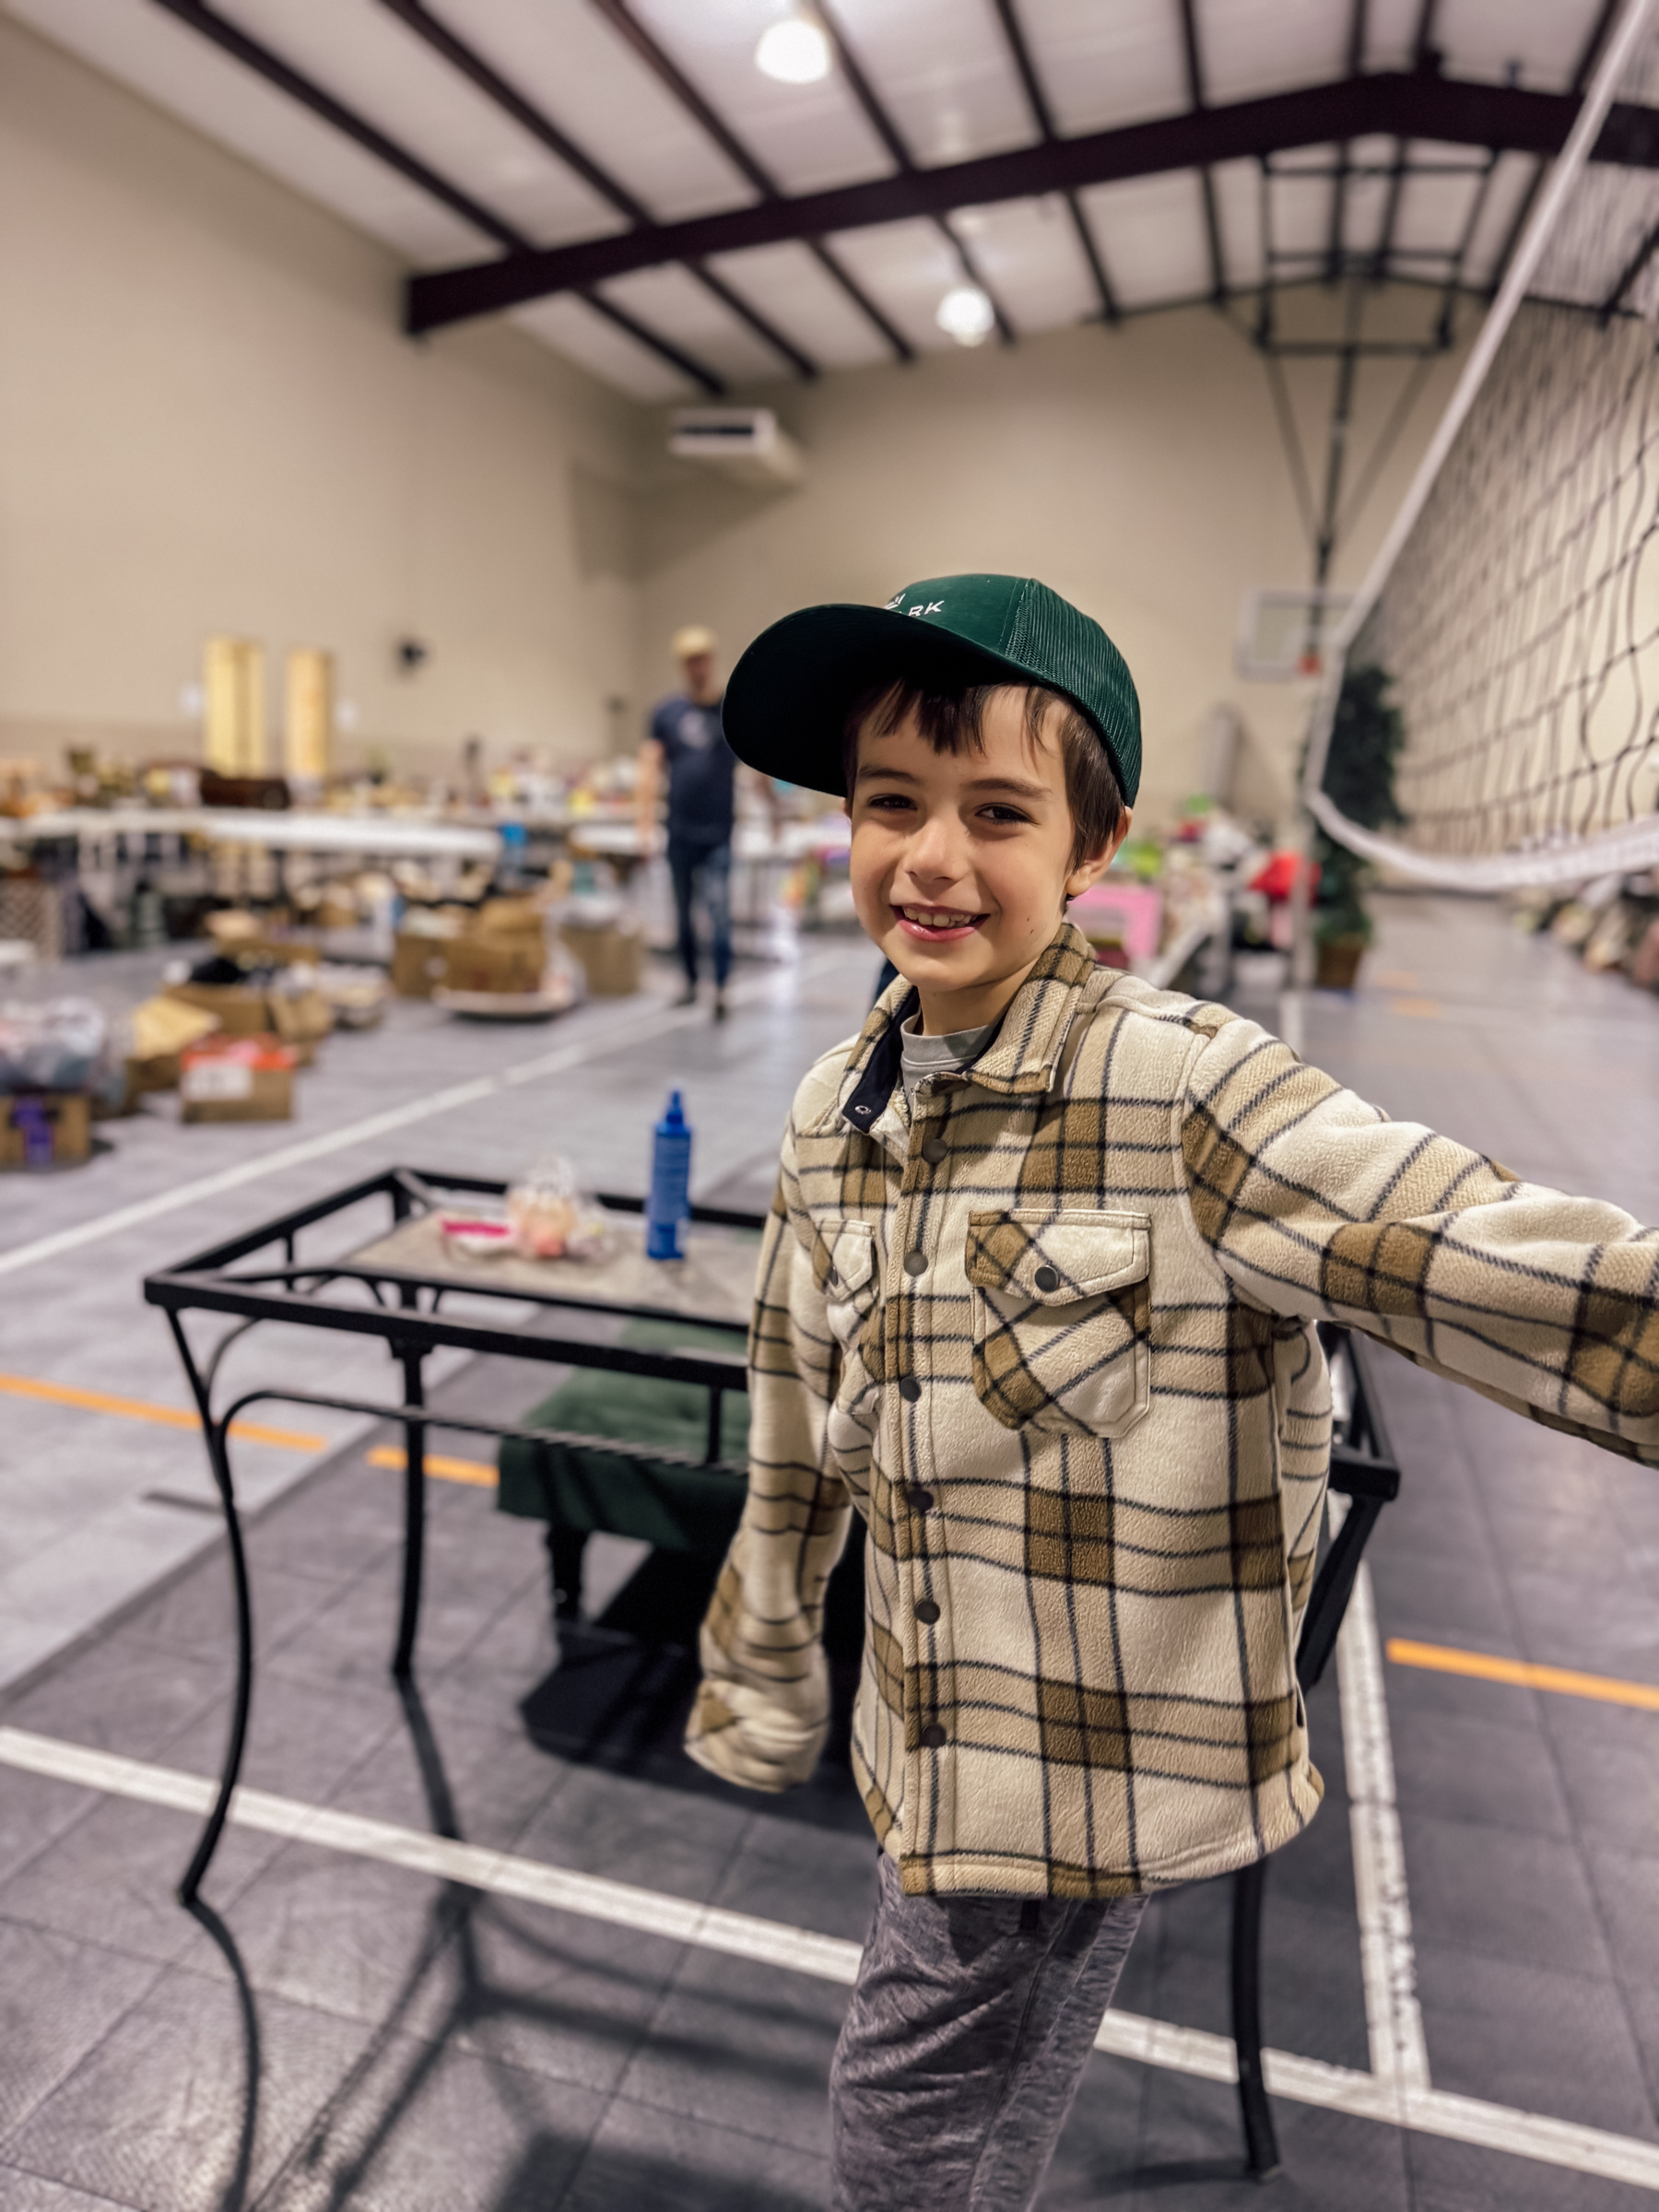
[(702, 871), (970, 2023)]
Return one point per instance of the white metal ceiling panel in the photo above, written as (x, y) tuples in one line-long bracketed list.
[(907, 268), (361, 53), (1250, 47), (1365, 200), (1029, 253), (1391, 29), (1300, 203), (808, 137), (1435, 210), (671, 301), (1238, 188), (944, 75), (153, 54), (1545, 38), (571, 327), (1104, 64), (1151, 231), (793, 290), (567, 62), (1512, 181)]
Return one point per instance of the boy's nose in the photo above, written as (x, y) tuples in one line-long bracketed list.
[(934, 856)]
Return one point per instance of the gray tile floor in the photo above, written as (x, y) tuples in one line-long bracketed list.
[(344, 2033)]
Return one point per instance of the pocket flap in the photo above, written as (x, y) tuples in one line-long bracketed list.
[(1055, 1259), (852, 1255)]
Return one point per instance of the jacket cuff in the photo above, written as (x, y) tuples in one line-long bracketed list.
[(746, 1738)]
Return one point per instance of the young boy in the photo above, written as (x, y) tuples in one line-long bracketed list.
[(1037, 1299)]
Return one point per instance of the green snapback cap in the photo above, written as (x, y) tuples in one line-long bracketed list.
[(787, 702)]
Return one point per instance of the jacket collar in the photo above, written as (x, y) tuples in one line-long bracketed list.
[(1021, 1057)]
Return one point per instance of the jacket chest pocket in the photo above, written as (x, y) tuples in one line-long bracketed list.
[(1062, 1319), (848, 1277)]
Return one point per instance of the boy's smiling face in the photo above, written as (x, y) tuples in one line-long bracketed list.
[(962, 862)]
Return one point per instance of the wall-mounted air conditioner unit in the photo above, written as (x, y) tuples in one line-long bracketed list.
[(743, 442)]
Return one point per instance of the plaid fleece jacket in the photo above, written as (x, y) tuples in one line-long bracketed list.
[(1052, 1336)]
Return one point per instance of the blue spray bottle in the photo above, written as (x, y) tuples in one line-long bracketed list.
[(669, 1203)]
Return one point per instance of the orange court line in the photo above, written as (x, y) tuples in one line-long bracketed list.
[(1608, 1688), (1419, 1009), (139, 1410), (476, 1471)]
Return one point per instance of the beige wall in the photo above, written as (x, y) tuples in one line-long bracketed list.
[(211, 422), (1139, 471)]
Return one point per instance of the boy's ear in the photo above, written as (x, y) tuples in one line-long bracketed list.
[(1094, 865)]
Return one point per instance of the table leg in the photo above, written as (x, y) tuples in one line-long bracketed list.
[(218, 1455), (1261, 2145), (413, 1513)]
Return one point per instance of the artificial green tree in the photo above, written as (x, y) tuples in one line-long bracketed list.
[(1367, 737)]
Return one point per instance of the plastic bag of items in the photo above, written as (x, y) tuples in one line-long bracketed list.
[(548, 1217), (60, 1044)]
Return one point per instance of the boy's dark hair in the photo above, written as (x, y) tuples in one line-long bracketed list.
[(953, 721)]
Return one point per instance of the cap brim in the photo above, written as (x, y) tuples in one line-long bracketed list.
[(786, 704)]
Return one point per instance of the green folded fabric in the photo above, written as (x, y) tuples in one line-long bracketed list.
[(675, 1508)]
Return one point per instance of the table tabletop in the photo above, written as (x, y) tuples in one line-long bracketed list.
[(714, 1284)]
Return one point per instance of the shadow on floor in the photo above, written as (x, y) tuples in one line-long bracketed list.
[(621, 1694)]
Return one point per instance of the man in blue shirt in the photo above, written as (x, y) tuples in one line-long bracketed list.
[(686, 734)]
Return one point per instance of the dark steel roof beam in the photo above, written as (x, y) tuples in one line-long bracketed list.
[(882, 123), (662, 66), (235, 42), (1212, 215), (1453, 111), (1043, 115), (471, 64)]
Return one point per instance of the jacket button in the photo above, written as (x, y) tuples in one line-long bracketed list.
[(920, 1499), (915, 1263), (927, 1612), (934, 1737), (1047, 1280), (933, 1150), (910, 1389)]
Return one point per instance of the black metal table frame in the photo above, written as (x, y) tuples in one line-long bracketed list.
[(1363, 1465), (215, 1282)]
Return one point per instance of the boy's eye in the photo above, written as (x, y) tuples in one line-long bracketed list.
[(889, 801), (997, 813)]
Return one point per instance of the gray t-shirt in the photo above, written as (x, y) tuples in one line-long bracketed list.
[(919, 1056)]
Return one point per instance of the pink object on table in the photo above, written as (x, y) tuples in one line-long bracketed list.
[(1133, 913)]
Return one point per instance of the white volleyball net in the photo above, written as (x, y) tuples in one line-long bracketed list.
[(1515, 609)]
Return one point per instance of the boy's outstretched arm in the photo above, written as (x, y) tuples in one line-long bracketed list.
[(1316, 1204), (764, 1709)]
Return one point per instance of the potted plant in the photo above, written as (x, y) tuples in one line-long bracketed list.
[(1366, 737)]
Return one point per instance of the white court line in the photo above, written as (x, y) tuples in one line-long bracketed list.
[(830, 1958), (656, 1023), (1399, 2053)]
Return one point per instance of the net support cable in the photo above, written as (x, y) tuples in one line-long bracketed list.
[(1514, 602)]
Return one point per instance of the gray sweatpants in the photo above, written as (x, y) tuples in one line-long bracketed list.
[(970, 2023)]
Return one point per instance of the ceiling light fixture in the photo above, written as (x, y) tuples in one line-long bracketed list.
[(795, 50), (966, 314)]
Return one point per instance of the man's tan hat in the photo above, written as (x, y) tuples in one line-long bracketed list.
[(694, 639)]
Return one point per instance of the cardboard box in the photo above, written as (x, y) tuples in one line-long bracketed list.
[(509, 918), (45, 1129), (237, 1080), (613, 958), (301, 1019), (498, 964)]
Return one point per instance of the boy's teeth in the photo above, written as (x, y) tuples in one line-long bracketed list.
[(933, 917)]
